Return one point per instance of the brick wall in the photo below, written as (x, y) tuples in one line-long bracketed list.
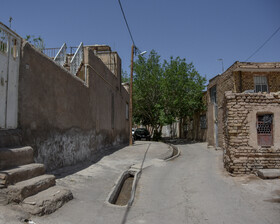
[(242, 154), (247, 80)]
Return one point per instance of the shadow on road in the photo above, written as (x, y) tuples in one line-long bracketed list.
[(68, 170), (178, 141)]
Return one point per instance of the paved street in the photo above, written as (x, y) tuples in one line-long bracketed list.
[(194, 188)]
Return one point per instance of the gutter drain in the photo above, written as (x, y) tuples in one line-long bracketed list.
[(123, 189)]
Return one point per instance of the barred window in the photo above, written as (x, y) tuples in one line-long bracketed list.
[(260, 84), (203, 122), (265, 129)]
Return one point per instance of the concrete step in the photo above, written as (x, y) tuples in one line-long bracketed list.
[(269, 173), (24, 189), (11, 157), (10, 138), (21, 173), (47, 201)]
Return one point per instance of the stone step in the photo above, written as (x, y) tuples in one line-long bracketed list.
[(10, 138), (21, 173), (11, 157), (269, 173), (24, 189), (47, 201)]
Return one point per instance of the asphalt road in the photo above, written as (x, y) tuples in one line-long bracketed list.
[(194, 188)]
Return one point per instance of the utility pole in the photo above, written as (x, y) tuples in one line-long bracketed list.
[(130, 96)]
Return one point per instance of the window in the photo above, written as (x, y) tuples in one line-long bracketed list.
[(203, 122), (213, 95), (265, 129), (14, 50), (260, 84), (126, 111), (3, 41)]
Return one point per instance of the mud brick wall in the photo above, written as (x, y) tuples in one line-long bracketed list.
[(245, 80), (223, 83), (242, 154)]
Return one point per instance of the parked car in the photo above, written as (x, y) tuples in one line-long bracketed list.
[(133, 130), (142, 134)]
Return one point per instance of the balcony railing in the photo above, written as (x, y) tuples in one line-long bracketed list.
[(77, 59), (52, 52)]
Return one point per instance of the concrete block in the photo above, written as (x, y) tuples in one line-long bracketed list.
[(47, 201), (24, 172), (268, 173), (11, 157), (24, 189)]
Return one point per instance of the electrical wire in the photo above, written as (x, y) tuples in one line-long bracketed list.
[(126, 22), (262, 44)]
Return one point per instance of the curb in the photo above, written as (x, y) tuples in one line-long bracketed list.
[(176, 152), (136, 172)]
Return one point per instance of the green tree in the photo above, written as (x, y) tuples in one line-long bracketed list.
[(183, 89), (125, 77), (38, 42), (165, 93), (147, 96)]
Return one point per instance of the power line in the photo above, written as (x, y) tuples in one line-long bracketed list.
[(126, 23), (263, 44)]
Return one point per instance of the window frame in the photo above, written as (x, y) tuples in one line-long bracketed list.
[(203, 122), (264, 139), (260, 81)]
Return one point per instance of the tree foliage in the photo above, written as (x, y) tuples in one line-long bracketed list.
[(38, 42), (165, 92), (147, 96), (182, 89)]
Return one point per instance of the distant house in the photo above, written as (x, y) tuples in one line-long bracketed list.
[(195, 128)]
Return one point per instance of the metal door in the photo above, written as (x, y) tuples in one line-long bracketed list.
[(9, 71)]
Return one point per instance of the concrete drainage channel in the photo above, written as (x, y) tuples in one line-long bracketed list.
[(124, 190)]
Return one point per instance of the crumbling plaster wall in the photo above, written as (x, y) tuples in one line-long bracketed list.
[(62, 118), (242, 154)]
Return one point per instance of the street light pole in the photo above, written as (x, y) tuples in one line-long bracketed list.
[(130, 96)]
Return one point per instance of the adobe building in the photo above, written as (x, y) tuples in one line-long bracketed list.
[(55, 112), (240, 77), (243, 116), (68, 108)]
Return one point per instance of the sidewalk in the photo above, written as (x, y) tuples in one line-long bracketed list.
[(92, 183)]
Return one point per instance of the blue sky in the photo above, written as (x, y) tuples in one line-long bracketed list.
[(199, 30)]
